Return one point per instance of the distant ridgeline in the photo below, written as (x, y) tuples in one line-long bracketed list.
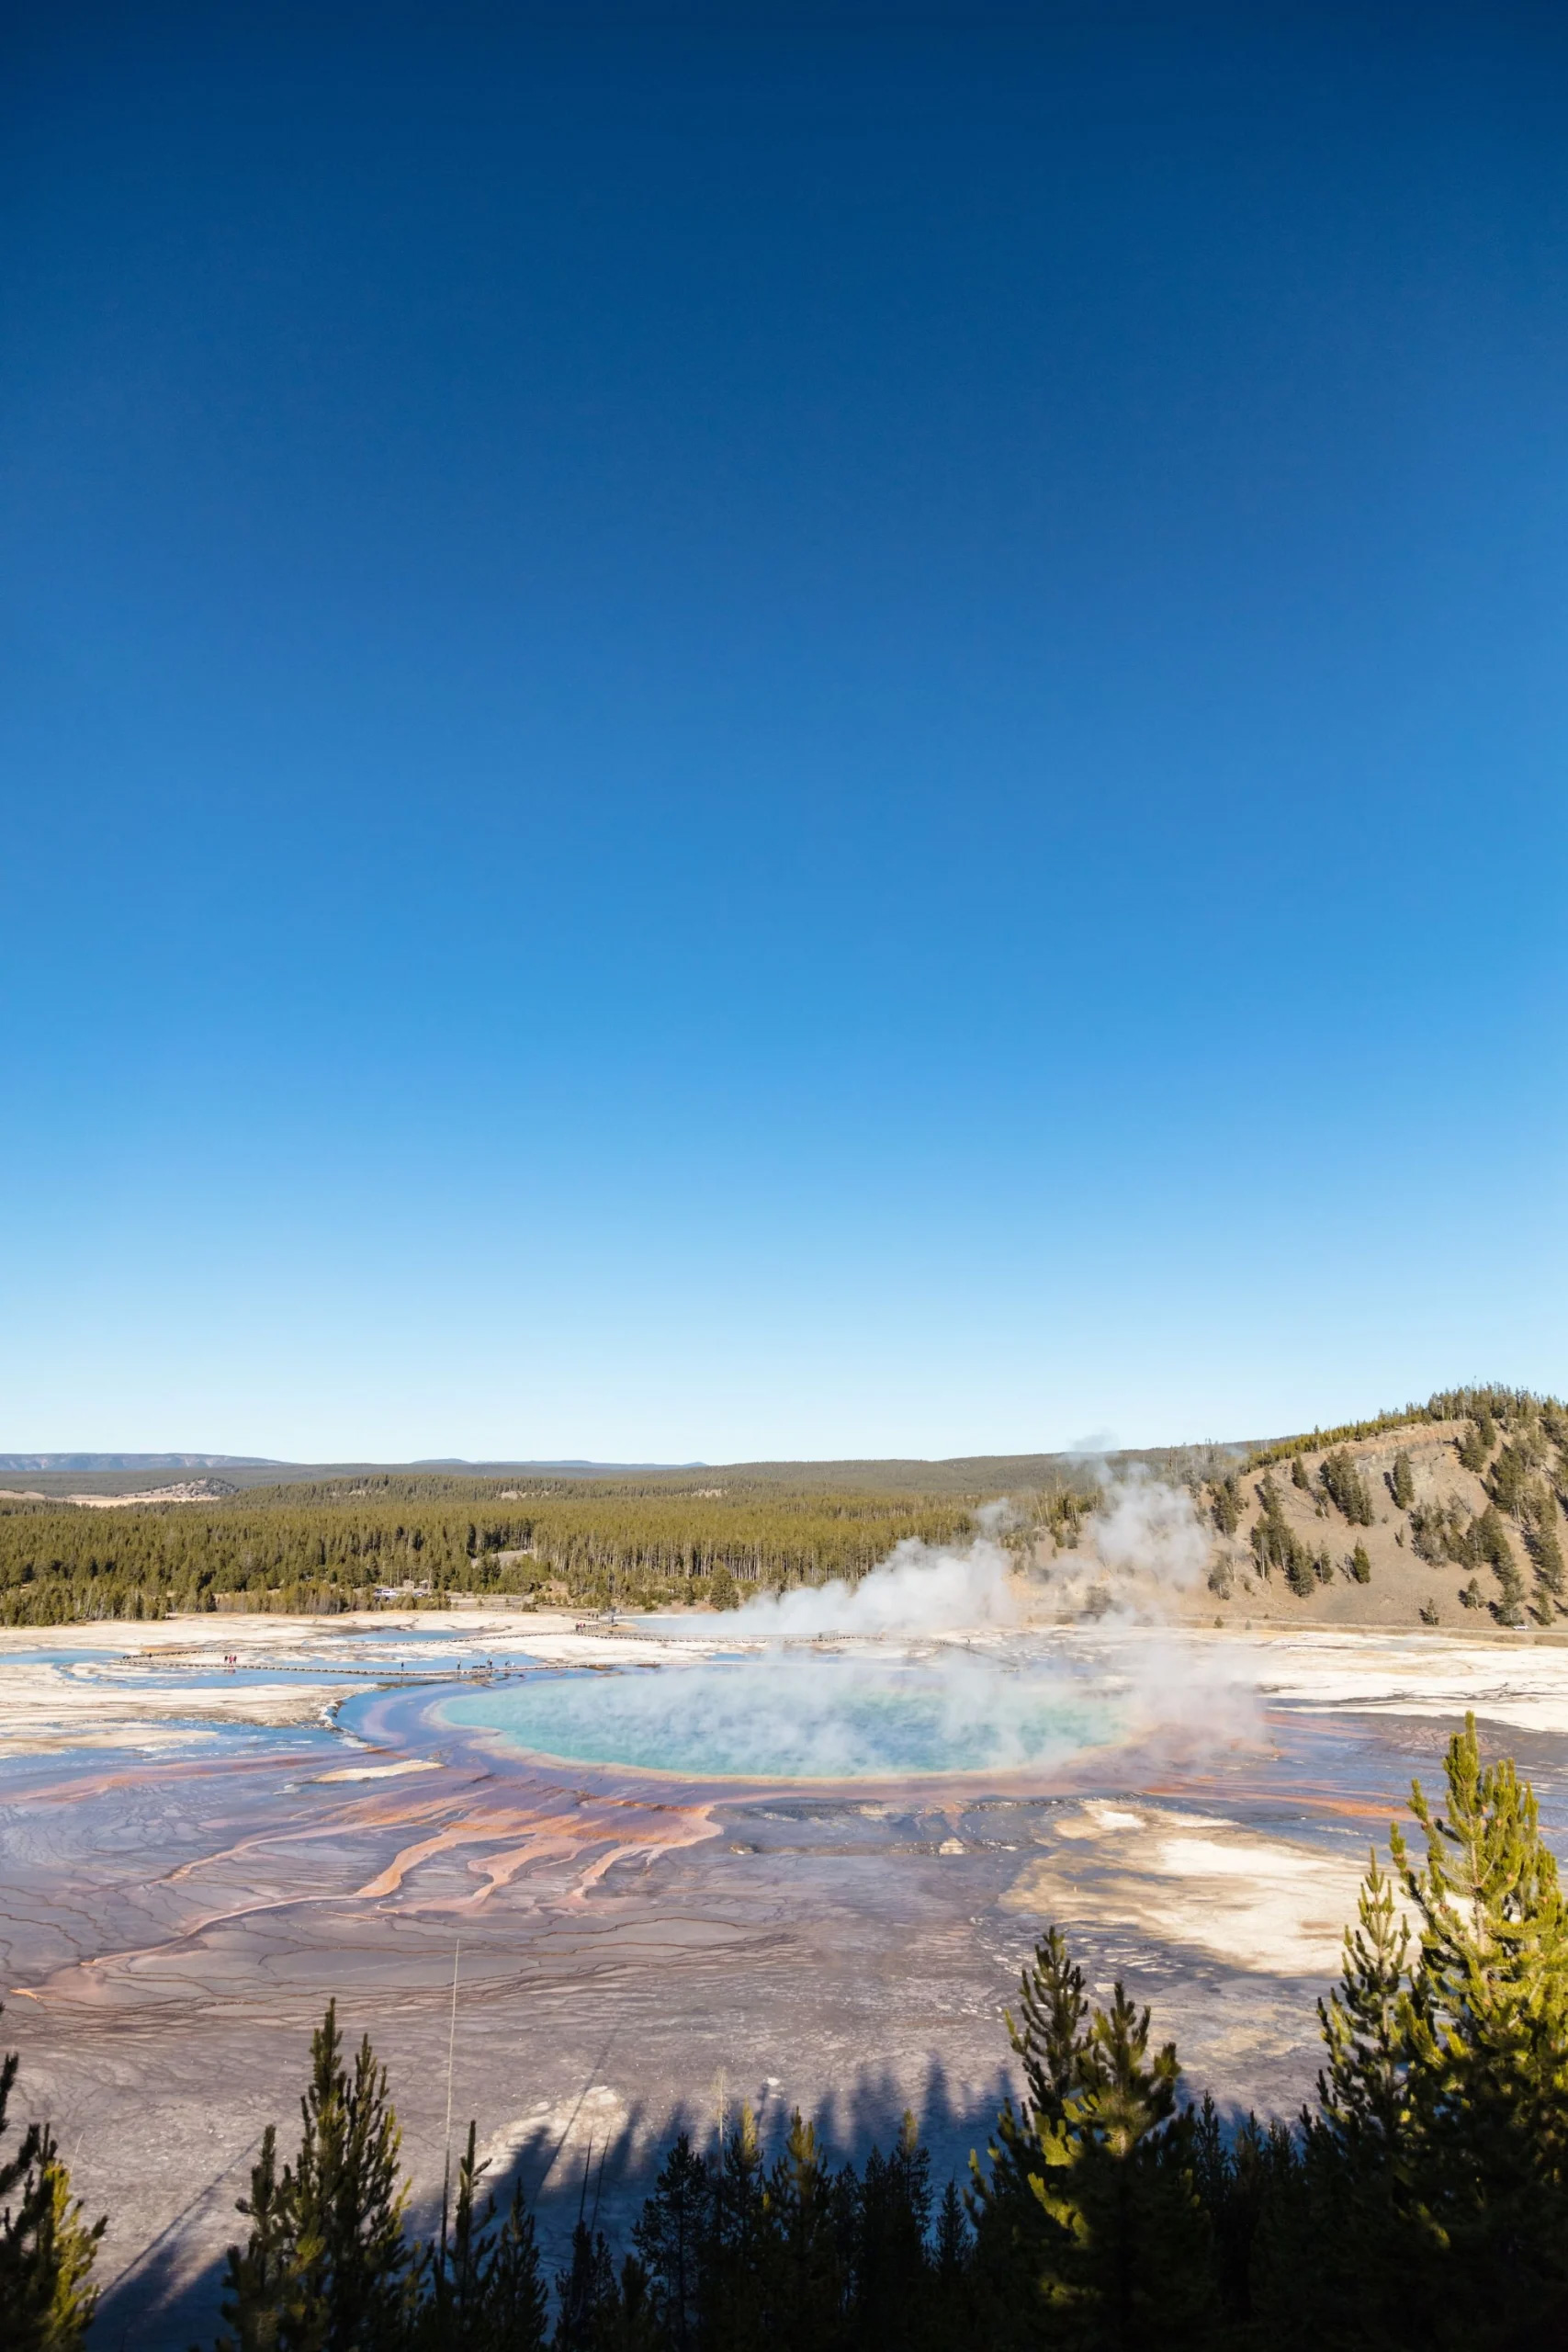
[(1475, 1479)]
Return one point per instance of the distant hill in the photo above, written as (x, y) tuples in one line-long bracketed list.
[(973, 1475), (137, 1462), (1447, 1513), (1454, 1514)]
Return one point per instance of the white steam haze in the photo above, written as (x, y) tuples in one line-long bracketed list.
[(1142, 1547), (919, 1590)]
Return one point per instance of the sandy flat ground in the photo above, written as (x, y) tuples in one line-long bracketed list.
[(45, 1708), (1267, 1904), (469, 1630)]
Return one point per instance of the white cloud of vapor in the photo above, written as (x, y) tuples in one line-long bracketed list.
[(919, 1589), (1145, 1528)]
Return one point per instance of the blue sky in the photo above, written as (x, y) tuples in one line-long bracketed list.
[(779, 731)]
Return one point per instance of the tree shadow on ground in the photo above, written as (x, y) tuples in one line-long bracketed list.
[(167, 2299)]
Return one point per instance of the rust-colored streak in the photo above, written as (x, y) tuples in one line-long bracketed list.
[(553, 1835)]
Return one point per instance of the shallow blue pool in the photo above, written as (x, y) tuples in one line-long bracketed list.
[(780, 1717)]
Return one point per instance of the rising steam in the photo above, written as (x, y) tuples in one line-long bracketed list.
[(1141, 1548), (919, 1590)]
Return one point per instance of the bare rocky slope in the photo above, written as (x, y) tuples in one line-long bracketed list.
[(1455, 1521)]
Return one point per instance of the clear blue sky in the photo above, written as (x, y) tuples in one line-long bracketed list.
[(779, 730)]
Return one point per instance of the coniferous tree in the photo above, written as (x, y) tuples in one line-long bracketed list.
[(485, 2292), (1475, 1445), (1361, 2090), (1226, 1504), (1276, 1545), (1486, 2028), (1489, 1542), (460, 2260), (515, 2305), (1239, 2183), (1431, 2210), (1343, 1484), (732, 2286), (345, 2199), (952, 2305), (671, 2236), (1546, 1551), (327, 2267), (259, 2302), (1401, 1481), (891, 2262), (47, 2251), (1091, 2231), (804, 2268), (587, 2295)]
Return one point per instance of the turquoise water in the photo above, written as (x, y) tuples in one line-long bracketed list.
[(778, 1718)]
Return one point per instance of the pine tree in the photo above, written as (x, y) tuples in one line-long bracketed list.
[(1092, 2235), (952, 2306), (1486, 2026), (1401, 1482), (804, 2266), (1343, 1484), (1275, 1543), (260, 2305), (730, 2284), (1546, 1551), (1432, 2208), (1240, 2187), (671, 2236), (1226, 1504), (515, 2305), (345, 2200), (47, 2251), (629, 2324), (1475, 1445), (327, 2267), (1489, 1540), (485, 2293), (891, 2265), (1361, 2091), (586, 2293)]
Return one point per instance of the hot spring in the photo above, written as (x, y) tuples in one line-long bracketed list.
[(779, 1715)]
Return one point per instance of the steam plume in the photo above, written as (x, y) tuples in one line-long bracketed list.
[(917, 1590)]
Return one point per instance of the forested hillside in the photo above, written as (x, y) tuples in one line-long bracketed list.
[(328, 1546), (1450, 1513)]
